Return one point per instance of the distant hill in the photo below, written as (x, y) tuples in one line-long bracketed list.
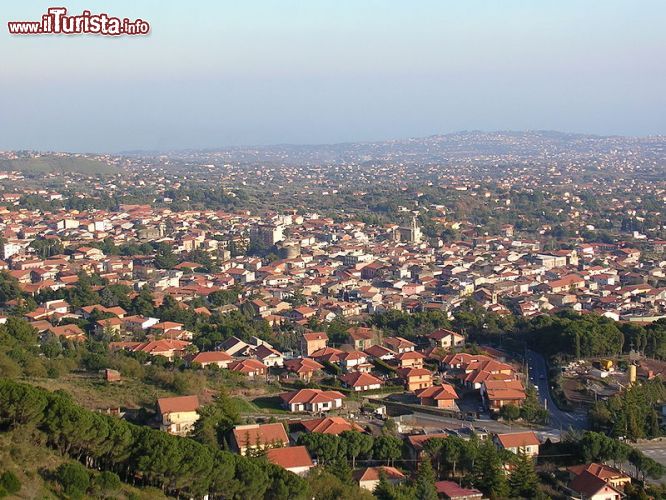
[(58, 164)]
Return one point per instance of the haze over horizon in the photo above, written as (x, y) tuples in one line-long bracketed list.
[(219, 74)]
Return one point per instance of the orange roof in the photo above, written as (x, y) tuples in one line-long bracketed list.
[(518, 439), (330, 425), (311, 396), (357, 379), (373, 473), (302, 365), (211, 357), (315, 336), (255, 434), (291, 457), (178, 404), (438, 392)]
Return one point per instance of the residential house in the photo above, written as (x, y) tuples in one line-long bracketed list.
[(359, 381), (587, 486), (446, 339), (312, 400), (258, 436), (441, 396), (329, 425), (305, 368), (253, 368), (368, 478), (615, 477), (295, 459), (313, 341), (399, 344), (362, 337), (526, 443), (453, 491), (415, 378), (178, 414), (218, 358)]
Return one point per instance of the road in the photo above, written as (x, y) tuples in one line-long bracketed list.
[(436, 422), (538, 372)]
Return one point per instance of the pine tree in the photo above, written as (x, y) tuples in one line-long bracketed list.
[(523, 480)]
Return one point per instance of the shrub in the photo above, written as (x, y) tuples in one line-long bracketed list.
[(107, 481), (10, 483), (74, 478)]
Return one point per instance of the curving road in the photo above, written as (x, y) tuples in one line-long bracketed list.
[(538, 371)]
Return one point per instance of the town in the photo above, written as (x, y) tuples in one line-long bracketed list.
[(420, 320)]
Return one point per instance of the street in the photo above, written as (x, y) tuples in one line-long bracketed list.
[(538, 374)]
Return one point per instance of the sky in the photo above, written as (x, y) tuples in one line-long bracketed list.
[(221, 73)]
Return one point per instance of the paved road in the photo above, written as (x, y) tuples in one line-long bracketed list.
[(436, 422), (559, 419), (655, 449)]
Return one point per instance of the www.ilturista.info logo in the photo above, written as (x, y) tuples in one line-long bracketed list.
[(56, 21)]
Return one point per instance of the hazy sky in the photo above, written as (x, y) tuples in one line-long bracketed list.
[(214, 73)]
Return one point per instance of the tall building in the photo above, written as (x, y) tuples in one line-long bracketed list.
[(269, 234), (411, 234)]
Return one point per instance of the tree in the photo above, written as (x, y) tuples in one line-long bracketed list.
[(523, 480), (510, 412), (488, 474), (424, 484), (388, 448), (356, 443), (74, 478)]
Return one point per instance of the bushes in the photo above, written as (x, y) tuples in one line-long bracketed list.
[(9, 484), (74, 479)]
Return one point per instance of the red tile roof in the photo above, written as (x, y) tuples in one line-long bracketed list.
[(289, 458), (178, 404)]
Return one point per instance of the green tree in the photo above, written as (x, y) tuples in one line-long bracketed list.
[(74, 479), (523, 481)]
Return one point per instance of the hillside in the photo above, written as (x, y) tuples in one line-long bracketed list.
[(34, 466), (58, 164)]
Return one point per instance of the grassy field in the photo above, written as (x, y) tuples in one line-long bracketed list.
[(56, 164), (93, 393)]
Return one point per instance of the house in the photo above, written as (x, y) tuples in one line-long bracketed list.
[(379, 352), (409, 359), (441, 396), (399, 344), (69, 332), (353, 360), (313, 341), (312, 400), (359, 381), (362, 337), (518, 442), (497, 393), (611, 475), (368, 478), (169, 349), (250, 367), (446, 339), (329, 425), (233, 346), (305, 368), (218, 358), (590, 487), (258, 436), (295, 459), (178, 414), (269, 356), (453, 491), (415, 378)]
